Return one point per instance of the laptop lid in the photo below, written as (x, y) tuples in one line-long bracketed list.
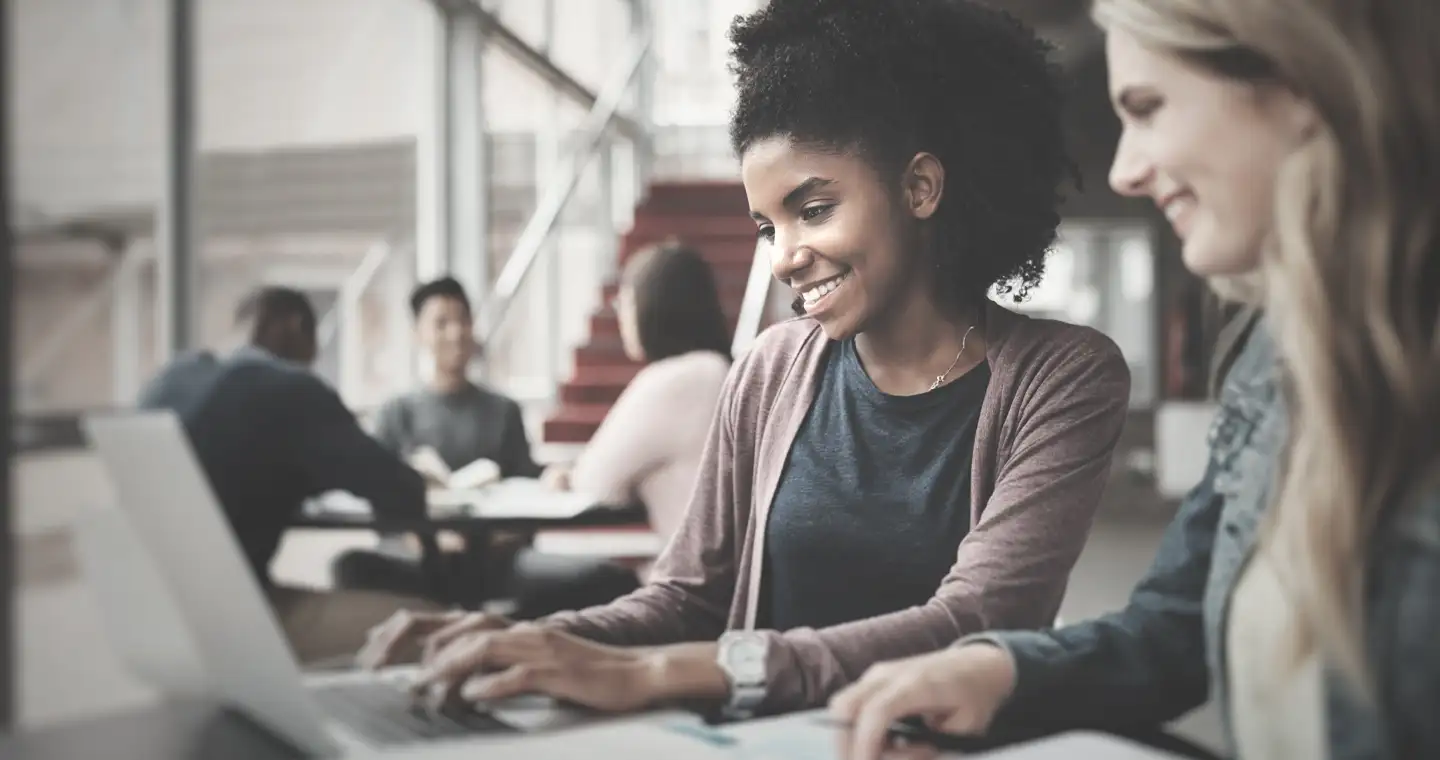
[(163, 491), (141, 619)]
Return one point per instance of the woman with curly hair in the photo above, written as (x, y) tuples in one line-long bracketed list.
[(907, 462)]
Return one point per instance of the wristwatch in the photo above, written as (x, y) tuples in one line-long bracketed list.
[(742, 657)]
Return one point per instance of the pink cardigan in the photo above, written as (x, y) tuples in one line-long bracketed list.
[(1051, 417)]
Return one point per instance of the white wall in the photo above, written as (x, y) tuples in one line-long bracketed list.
[(89, 82), (89, 79)]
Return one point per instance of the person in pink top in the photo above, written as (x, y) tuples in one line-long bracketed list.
[(649, 447), (906, 463)]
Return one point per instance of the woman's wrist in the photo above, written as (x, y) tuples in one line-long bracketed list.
[(686, 672), (993, 663)]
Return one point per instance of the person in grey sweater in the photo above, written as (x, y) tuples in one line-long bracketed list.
[(461, 421), (450, 414), (271, 434)]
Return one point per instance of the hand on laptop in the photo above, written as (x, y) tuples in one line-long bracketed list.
[(531, 659), (955, 691), (411, 636)]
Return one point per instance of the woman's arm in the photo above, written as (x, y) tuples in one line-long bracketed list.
[(1011, 570), (693, 581)]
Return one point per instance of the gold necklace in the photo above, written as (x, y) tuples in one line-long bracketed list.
[(940, 378)]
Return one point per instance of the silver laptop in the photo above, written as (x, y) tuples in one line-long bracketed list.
[(167, 559)]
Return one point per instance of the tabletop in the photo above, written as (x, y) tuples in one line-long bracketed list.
[(466, 523), (196, 729)]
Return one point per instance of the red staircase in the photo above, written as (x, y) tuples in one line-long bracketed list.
[(711, 216)]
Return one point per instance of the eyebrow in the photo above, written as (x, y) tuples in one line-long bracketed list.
[(798, 193)]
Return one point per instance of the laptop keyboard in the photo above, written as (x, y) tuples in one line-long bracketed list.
[(385, 714)]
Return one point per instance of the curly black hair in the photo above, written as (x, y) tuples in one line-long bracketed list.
[(892, 78)]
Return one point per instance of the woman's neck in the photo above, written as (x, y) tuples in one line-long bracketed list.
[(904, 354)]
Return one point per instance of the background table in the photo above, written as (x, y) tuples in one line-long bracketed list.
[(478, 532)]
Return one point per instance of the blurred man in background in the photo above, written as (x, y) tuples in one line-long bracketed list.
[(450, 414), (270, 434), (462, 422)]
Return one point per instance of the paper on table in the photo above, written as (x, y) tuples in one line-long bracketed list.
[(339, 504), (1077, 745), (530, 498), (477, 474), (512, 498), (813, 734), (637, 738), (798, 736)]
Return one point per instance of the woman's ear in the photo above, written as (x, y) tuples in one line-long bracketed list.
[(923, 185)]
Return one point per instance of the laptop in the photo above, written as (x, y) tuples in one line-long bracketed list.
[(167, 560)]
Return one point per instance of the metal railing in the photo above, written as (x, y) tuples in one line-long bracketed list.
[(756, 301), (83, 317), (352, 289), (537, 230)]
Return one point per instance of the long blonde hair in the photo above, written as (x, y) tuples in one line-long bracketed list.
[(1351, 277)]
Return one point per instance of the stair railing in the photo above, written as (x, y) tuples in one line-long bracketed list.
[(752, 308), (346, 310), (560, 187)]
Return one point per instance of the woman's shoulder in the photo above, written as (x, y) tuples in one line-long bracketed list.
[(684, 370)]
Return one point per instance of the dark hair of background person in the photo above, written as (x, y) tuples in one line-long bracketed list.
[(677, 304), (892, 78), (270, 308), (445, 287)]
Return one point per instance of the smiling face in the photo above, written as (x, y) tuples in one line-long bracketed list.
[(445, 330), (1204, 148), (835, 233)]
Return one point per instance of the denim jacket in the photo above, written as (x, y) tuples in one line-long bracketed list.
[(1164, 653)]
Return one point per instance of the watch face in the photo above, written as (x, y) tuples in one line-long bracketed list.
[(745, 658)]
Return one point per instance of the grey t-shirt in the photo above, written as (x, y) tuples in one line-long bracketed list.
[(469, 424), (874, 498)]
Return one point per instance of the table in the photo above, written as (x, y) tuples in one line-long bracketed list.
[(206, 730), (477, 529), (466, 524)]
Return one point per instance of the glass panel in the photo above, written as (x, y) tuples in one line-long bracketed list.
[(309, 114), (1101, 274), (86, 152)]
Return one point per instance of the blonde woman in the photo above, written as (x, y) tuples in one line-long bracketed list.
[(1295, 147)]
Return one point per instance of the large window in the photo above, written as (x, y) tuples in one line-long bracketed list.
[(1102, 274)]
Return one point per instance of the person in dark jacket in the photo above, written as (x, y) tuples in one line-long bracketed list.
[(270, 435)]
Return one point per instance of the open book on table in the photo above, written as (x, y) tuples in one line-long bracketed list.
[(477, 474), (511, 498)]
